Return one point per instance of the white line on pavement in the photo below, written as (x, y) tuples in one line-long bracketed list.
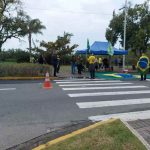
[(77, 80), (91, 81), (113, 103), (125, 116), (95, 84), (108, 93), (103, 88), (7, 89)]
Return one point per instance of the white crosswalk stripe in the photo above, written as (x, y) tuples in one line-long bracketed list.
[(109, 93), (113, 88), (95, 84), (72, 80), (90, 81), (103, 88), (113, 103)]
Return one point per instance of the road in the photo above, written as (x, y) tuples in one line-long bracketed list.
[(27, 110)]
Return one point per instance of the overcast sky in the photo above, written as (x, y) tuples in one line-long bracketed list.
[(84, 18)]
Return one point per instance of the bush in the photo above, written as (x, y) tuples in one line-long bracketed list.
[(23, 69), (22, 56), (15, 55)]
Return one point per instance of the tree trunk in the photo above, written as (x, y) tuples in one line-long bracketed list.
[(0, 47), (30, 47)]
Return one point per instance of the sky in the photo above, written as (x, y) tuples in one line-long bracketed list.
[(83, 18)]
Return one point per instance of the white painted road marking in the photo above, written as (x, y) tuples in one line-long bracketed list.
[(90, 81), (109, 93), (65, 80), (113, 103), (125, 116), (7, 89), (88, 84), (104, 88)]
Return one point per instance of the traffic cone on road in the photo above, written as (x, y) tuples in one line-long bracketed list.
[(47, 84)]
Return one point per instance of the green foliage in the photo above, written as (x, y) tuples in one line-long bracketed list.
[(138, 28), (32, 26), (23, 70), (13, 55), (14, 23), (61, 46), (22, 56), (11, 20)]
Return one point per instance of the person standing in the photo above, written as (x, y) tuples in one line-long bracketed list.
[(58, 63), (99, 63), (91, 61), (79, 65), (73, 64), (143, 66), (54, 63), (96, 64)]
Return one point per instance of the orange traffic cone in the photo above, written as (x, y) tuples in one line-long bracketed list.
[(47, 84)]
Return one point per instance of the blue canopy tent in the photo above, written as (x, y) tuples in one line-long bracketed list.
[(101, 48)]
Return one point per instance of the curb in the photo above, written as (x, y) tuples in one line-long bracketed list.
[(77, 132), (136, 134)]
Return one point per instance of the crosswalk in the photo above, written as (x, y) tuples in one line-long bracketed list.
[(121, 93)]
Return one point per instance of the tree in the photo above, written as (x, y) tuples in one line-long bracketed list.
[(61, 46), (11, 20), (138, 28), (33, 26)]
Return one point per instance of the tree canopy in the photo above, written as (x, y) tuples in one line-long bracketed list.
[(61, 46), (14, 23), (137, 30), (11, 20)]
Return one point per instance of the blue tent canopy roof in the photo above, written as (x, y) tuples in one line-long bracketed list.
[(100, 48)]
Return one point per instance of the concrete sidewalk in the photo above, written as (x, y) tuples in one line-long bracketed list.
[(142, 127)]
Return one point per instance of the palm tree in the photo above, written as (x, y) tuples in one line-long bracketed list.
[(34, 26)]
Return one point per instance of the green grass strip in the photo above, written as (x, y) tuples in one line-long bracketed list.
[(110, 136)]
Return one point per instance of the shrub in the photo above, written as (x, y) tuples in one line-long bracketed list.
[(24, 69)]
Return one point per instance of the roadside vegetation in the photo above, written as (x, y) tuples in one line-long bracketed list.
[(23, 70), (111, 136)]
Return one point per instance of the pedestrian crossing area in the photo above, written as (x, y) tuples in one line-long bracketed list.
[(110, 94)]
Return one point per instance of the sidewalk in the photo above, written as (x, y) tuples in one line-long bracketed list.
[(143, 128)]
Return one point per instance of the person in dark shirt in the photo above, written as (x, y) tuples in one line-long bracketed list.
[(40, 59), (73, 64), (54, 63), (58, 63)]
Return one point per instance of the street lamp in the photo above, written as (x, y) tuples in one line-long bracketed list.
[(124, 37), (124, 40)]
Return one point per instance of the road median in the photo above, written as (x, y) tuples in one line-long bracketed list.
[(111, 134)]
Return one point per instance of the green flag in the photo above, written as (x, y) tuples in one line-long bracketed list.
[(88, 46), (110, 49)]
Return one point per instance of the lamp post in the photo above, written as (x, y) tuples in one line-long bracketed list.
[(124, 39)]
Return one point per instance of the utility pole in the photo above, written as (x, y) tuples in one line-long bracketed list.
[(124, 39)]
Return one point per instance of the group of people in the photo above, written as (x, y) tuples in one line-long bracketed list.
[(95, 63), (77, 62)]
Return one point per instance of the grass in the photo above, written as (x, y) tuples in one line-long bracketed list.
[(111, 136)]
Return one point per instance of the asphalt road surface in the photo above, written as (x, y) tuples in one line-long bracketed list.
[(27, 110)]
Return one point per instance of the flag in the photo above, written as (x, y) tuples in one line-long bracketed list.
[(110, 49), (88, 47)]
